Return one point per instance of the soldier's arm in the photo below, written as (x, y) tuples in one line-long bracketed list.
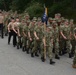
[(63, 35), (35, 34), (18, 31), (44, 41), (24, 34), (29, 34)]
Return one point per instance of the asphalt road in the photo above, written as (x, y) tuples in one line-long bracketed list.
[(16, 62)]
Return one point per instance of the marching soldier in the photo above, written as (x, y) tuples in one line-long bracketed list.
[(31, 35), (55, 39), (72, 36), (48, 44), (25, 37), (20, 33), (38, 38), (66, 34), (74, 61)]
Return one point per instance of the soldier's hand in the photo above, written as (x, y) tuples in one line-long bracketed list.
[(65, 38), (37, 38), (9, 31), (30, 39), (19, 35), (44, 45)]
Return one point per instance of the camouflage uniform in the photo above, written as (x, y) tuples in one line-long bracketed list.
[(72, 36), (74, 61), (66, 32), (37, 42), (55, 31), (31, 31), (49, 45), (19, 41), (25, 37)]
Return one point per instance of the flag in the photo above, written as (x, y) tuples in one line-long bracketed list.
[(45, 16)]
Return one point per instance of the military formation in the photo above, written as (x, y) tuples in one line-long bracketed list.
[(34, 37)]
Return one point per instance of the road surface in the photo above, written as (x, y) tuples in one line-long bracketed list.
[(16, 62)]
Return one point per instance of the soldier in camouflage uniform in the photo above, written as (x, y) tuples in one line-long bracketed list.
[(74, 61), (66, 34), (55, 39), (38, 38), (20, 29), (72, 36), (25, 38), (48, 44), (31, 35)]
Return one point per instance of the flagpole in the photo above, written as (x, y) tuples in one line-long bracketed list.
[(45, 35), (45, 41)]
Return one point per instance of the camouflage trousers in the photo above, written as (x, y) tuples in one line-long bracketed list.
[(24, 41), (48, 50), (73, 42), (68, 46), (74, 61), (62, 45), (65, 45), (37, 46), (30, 44), (56, 47), (19, 40)]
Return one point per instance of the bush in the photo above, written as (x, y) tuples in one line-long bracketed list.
[(35, 10)]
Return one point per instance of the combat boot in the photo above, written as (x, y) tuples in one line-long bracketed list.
[(60, 53), (20, 45), (23, 49), (43, 59), (70, 55), (36, 54), (32, 54), (27, 50), (74, 66), (17, 46), (51, 61), (57, 57)]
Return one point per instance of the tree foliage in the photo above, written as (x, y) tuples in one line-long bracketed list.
[(35, 7)]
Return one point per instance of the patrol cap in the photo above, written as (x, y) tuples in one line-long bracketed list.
[(58, 14), (54, 19), (28, 21), (34, 18), (62, 18), (66, 20), (50, 18), (23, 19), (39, 19), (48, 26), (27, 15), (54, 23)]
